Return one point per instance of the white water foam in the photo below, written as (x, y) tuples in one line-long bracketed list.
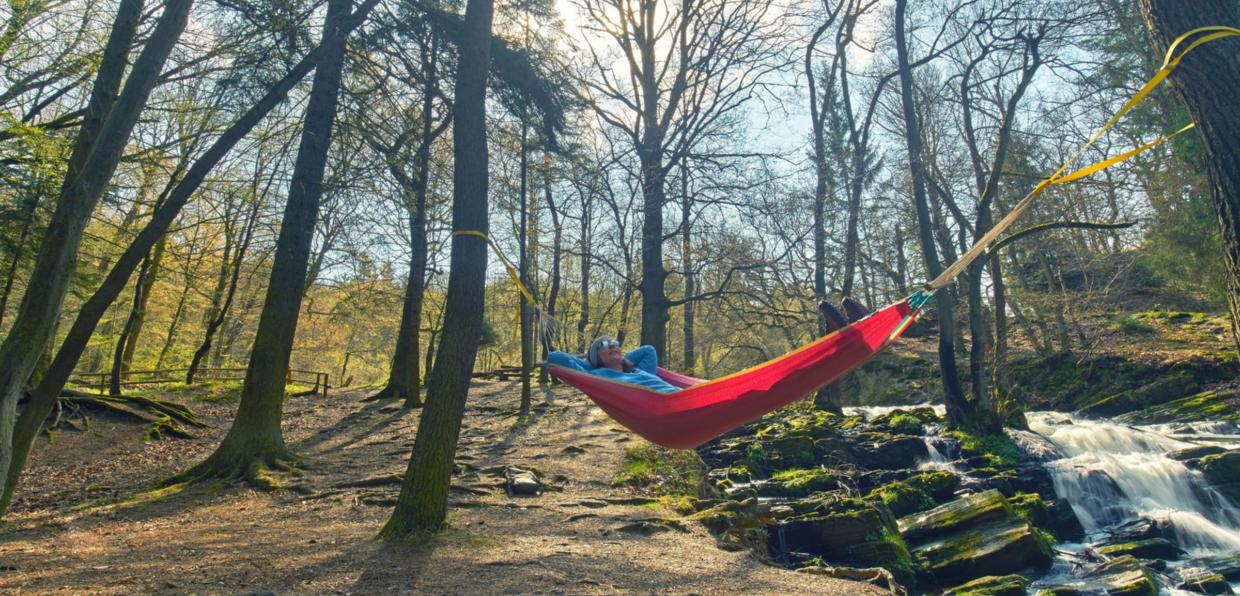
[(1115, 473)]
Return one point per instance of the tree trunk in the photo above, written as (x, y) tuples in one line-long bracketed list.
[(148, 281), (133, 322), (49, 280), (1208, 81), (587, 256), (959, 410), (27, 218), (686, 263), (523, 267), (220, 312), (423, 502), (654, 276), (43, 398), (255, 442), (557, 257)]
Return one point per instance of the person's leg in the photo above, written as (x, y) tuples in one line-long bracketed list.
[(854, 310), (832, 318)]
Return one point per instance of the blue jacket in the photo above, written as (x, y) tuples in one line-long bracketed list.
[(645, 368)]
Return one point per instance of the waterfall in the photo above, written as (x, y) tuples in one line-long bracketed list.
[(1112, 474)]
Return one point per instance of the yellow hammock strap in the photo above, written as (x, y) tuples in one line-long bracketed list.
[(1170, 62), (546, 326), (512, 269)]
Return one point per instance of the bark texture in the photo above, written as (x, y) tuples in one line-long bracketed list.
[(423, 503), (1208, 81)]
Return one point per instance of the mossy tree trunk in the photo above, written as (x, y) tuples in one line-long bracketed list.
[(110, 118), (255, 441), (423, 503), (1208, 81)]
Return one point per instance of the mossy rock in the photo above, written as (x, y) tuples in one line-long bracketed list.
[(1160, 391), (851, 532), (902, 498), (889, 452), (1206, 405), (799, 482), (999, 449), (992, 585), (967, 511), (1203, 582), (1000, 547), (1056, 516), (1150, 548), (1223, 472), (1195, 453), (795, 451), (1124, 576), (939, 484), (906, 422)]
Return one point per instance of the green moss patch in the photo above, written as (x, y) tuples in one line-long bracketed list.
[(661, 471), (998, 449)]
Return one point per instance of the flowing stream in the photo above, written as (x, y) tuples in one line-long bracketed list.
[(1114, 474)]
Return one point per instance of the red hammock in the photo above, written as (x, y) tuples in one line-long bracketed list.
[(703, 410)]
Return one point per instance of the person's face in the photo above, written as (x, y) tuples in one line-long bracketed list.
[(610, 355)]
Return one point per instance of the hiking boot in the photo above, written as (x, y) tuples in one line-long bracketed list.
[(854, 310), (832, 318)]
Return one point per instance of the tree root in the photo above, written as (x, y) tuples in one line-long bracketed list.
[(165, 417), (261, 471)]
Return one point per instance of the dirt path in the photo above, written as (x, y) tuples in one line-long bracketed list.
[(78, 526)]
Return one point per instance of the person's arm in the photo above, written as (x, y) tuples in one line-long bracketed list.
[(568, 361), (644, 358)]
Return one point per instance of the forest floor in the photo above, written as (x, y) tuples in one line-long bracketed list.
[(85, 519)]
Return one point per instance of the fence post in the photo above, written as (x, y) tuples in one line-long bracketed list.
[(324, 384)]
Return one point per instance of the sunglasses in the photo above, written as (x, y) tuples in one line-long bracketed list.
[(608, 343)]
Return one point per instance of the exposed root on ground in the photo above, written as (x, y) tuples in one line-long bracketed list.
[(262, 471)]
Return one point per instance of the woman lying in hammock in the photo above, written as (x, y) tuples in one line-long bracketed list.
[(604, 359)]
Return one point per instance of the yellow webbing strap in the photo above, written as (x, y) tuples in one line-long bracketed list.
[(512, 270), (1170, 62)]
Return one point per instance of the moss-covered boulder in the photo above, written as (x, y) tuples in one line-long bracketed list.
[(1203, 581), (902, 498), (1160, 391), (888, 452), (967, 511), (992, 585), (1000, 547), (939, 484), (1227, 566), (1195, 453), (1150, 548), (846, 531), (906, 422), (798, 482), (1124, 576), (1208, 405), (1055, 516), (795, 451), (1223, 472)]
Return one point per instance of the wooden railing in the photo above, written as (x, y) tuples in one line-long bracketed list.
[(100, 380)]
